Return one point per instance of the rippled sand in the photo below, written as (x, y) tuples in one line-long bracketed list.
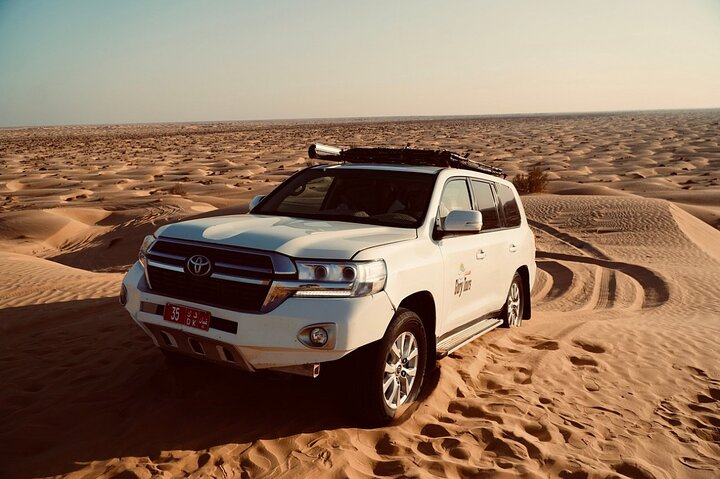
[(616, 375)]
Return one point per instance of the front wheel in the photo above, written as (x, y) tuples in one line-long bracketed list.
[(397, 368), (513, 310)]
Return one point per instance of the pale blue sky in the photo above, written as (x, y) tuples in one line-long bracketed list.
[(74, 62)]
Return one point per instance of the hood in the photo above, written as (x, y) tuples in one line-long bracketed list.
[(296, 237)]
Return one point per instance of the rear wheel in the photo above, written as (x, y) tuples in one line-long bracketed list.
[(396, 368), (513, 310)]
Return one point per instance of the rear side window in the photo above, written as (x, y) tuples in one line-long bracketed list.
[(509, 206), (485, 202)]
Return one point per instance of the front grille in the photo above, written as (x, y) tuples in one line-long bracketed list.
[(226, 260), (243, 285)]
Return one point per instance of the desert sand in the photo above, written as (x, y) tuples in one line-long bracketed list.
[(616, 375)]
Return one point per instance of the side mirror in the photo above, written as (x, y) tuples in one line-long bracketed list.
[(463, 221), (256, 201)]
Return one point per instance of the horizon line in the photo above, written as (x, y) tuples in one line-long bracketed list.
[(350, 119)]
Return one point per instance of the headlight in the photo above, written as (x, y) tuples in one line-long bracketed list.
[(144, 247), (331, 279)]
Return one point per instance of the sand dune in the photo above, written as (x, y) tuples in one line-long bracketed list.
[(30, 280), (616, 375)]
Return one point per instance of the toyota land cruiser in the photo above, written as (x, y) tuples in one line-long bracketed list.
[(404, 255)]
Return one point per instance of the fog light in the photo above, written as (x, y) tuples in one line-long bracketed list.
[(123, 295), (318, 336)]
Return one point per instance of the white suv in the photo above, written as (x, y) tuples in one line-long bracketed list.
[(389, 260)]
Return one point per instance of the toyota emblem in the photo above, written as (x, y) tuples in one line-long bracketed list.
[(198, 265)]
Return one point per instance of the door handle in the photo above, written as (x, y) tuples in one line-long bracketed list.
[(480, 254), (513, 247)]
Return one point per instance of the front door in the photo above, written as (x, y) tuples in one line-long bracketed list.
[(464, 277)]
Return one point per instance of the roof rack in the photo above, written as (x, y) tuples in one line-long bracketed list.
[(401, 156)]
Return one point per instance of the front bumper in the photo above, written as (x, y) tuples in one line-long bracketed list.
[(260, 341)]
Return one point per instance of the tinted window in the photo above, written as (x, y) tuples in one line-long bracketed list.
[(455, 197), (307, 197), (509, 206), (485, 202), (391, 198)]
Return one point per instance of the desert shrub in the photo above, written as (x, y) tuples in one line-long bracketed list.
[(534, 182), (177, 189)]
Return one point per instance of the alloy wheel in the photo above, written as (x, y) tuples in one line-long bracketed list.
[(401, 365), (513, 305)]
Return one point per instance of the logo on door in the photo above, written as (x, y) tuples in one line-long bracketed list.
[(463, 282)]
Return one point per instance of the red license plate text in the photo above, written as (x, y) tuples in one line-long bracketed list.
[(191, 317)]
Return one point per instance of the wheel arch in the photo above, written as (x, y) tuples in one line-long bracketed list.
[(422, 303), (525, 275)]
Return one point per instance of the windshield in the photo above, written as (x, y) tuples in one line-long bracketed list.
[(389, 198)]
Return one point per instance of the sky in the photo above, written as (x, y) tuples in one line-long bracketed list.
[(141, 61)]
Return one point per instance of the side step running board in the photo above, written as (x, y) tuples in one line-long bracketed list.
[(461, 338)]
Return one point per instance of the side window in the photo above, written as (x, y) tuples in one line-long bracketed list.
[(455, 197), (509, 206), (485, 202)]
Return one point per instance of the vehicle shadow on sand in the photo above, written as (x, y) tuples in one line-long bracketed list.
[(82, 383)]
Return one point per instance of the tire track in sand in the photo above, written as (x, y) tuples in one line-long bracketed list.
[(654, 289)]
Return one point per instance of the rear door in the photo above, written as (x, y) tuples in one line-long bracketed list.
[(510, 237), (493, 246)]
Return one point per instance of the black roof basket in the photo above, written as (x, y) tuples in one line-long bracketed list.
[(401, 156)]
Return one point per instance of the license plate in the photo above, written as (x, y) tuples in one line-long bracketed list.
[(191, 317)]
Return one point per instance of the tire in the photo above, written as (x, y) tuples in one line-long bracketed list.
[(388, 382), (514, 307)]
